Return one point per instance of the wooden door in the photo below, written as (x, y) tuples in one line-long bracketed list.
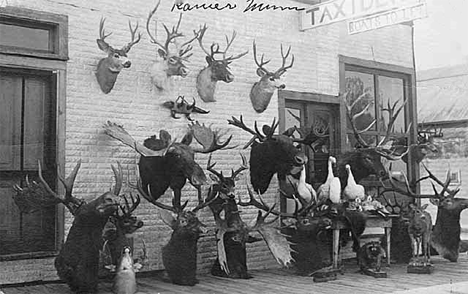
[(27, 134)]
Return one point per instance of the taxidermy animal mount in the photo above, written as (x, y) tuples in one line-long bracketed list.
[(262, 91), (217, 69), (172, 63), (181, 106), (78, 261), (109, 68)]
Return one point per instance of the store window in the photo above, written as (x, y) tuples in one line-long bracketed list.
[(32, 81)]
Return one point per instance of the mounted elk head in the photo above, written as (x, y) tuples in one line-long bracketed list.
[(164, 164), (271, 154), (172, 63), (366, 158), (78, 261), (109, 68), (180, 253), (262, 91), (217, 69)]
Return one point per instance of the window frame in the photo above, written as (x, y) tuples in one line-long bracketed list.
[(26, 59), (56, 23), (388, 70)]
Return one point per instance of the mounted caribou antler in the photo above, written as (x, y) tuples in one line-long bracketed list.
[(217, 69), (262, 91), (108, 68), (173, 62)]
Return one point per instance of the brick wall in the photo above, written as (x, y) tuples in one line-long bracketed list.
[(137, 105)]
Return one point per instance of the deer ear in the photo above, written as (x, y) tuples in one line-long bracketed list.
[(103, 46), (165, 136), (187, 139), (289, 132), (434, 201), (424, 206), (162, 53), (168, 218), (261, 72)]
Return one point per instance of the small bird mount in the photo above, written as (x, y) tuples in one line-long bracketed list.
[(181, 106)]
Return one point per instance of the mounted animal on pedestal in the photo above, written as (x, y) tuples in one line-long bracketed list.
[(233, 233), (217, 69), (172, 61), (179, 255), (78, 261), (119, 231), (109, 68), (181, 106), (262, 91)]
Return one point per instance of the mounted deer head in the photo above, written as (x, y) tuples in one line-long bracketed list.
[(78, 261), (172, 163), (262, 91), (217, 69), (366, 158), (109, 68), (172, 61), (271, 154)]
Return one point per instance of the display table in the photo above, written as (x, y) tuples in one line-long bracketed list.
[(373, 221)]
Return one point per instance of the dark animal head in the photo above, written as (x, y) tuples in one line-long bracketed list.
[(367, 162), (124, 220), (271, 154), (224, 186), (184, 223)]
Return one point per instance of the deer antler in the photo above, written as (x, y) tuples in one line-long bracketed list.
[(262, 63), (210, 168), (243, 167), (214, 48), (129, 46), (283, 68), (129, 208), (102, 33), (209, 139), (229, 43)]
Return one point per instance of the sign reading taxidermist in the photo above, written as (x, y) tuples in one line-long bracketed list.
[(339, 10)]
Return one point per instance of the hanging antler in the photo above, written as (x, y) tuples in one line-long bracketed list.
[(208, 138)]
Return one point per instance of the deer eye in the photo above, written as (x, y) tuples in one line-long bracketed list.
[(305, 221), (116, 55), (183, 222), (272, 79), (172, 60)]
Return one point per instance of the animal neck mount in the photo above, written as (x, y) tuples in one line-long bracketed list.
[(172, 63), (109, 68), (262, 91), (217, 69), (181, 106)]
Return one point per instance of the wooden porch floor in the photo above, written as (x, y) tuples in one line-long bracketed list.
[(447, 278)]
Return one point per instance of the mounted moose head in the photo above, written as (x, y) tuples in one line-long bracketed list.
[(172, 63), (181, 106), (78, 261), (262, 91), (366, 159), (164, 164), (217, 69), (271, 154), (109, 68)]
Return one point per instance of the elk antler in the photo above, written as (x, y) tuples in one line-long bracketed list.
[(209, 139), (171, 35), (243, 167), (129, 46), (444, 185)]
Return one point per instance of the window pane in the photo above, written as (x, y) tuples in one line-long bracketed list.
[(292, 117), (361, 85), (25, 37), (391, 90)]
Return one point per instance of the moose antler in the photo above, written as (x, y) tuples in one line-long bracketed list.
[(208, 138), (118, 132)]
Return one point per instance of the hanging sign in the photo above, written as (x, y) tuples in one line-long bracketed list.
[(339, 10), (387, 18)]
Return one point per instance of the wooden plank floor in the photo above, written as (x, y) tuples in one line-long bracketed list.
[(447, 277)]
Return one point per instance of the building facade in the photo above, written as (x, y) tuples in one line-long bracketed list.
[(56, 109)]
